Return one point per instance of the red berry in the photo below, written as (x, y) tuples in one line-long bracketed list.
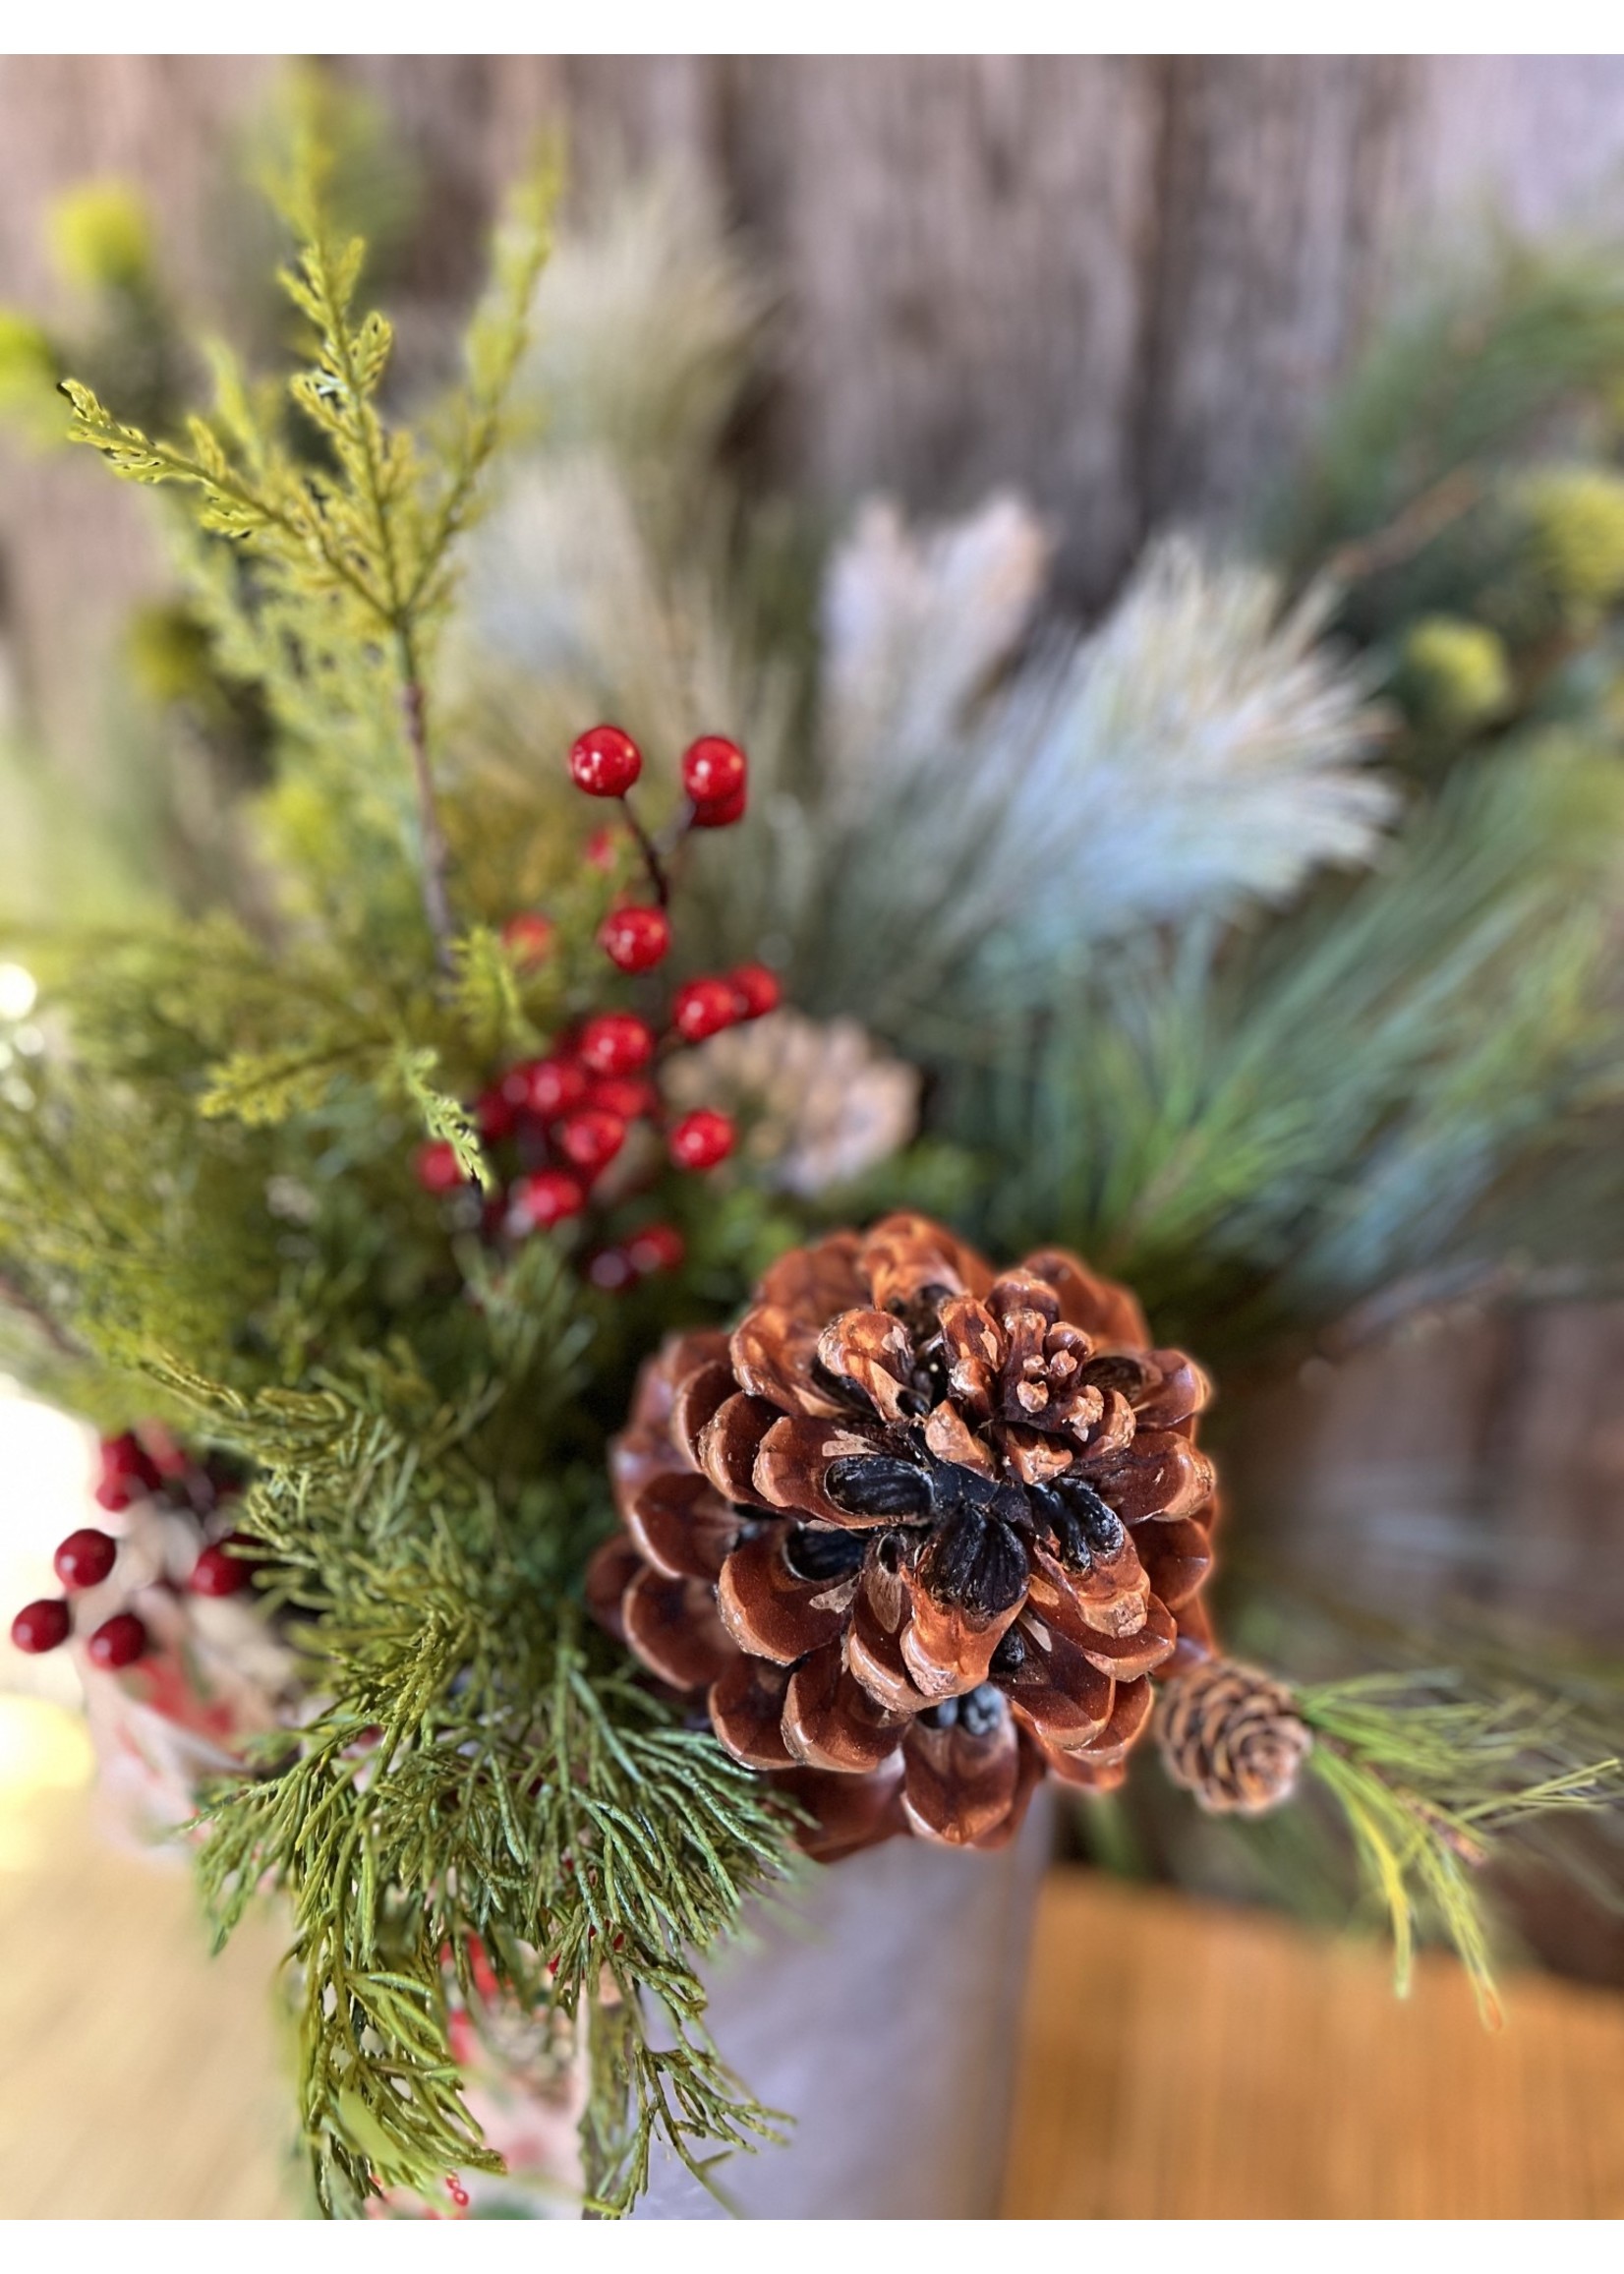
[(437, 1168), (41, 1626), (705, 1006), (598, 851), (84, 1558), (657, 1247), (219, 1571), (611, 1268), (590, 1139), (496, 1114), (722, 815), (528, 938), (713, 769), (117, 1642), (615, 1043), (757, 989), (546, 1087), (605, 762), (701, 1140), (545, 1198), (635, 939), (629, 1097)]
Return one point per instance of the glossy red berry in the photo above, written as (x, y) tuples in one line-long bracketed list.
[(545, 1198), (713, 770), (41, 1626), (701, 1140), (705, 1006), (611, 1269), (635, 939), (219, 1571), (591, 1138), (625, 1095), (757, 989), (546, 1087), (615, 1043), (722, 815), (657, 1247), (438, 1170), (118, 1642), (529, 939), (84, 1558), (605, 762)]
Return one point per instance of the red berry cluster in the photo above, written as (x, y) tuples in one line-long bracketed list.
[(566, 1115), (149, 1467)]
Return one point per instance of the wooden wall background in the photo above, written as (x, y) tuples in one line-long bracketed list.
[(1122, 283)]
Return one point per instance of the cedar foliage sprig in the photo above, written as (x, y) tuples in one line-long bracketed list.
[(480, 1770), (1426, 1778), (352, 556), (207, 1213)]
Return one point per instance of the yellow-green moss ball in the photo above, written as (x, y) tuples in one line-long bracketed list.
[(100, 235), (1457, 672), (1577, 519)]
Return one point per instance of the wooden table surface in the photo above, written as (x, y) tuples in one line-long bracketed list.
[(1181, 2060)]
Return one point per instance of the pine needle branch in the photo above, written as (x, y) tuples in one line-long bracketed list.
[(1426, 1780)]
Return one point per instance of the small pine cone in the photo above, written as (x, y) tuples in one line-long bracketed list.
[(1234, 1737)]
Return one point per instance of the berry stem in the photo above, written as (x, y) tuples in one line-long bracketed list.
[(437, 904), (653, 855)]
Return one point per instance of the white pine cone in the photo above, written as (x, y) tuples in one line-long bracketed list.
[(819, 1103)]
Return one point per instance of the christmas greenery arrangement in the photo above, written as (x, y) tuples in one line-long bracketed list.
[(561, 1420)]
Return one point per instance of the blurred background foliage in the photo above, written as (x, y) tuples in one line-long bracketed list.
[(1259, 937)]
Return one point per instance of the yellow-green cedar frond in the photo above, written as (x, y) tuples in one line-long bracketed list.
[(1424, 1778), (446, 1120), (303, 531), (486, 996), (264, 1087)]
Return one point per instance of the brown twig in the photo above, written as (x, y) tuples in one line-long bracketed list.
[(1422, 519), (654, 857), (437, 904)]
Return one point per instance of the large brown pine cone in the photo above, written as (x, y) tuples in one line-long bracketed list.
[(1234, 1737), (919, 1530)]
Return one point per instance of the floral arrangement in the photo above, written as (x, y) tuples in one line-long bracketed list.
[(523, 1232)]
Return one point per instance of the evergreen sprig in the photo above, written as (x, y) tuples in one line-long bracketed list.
[(479, 1771), (351, 549), (1427, 1780), (1260, 1127)]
